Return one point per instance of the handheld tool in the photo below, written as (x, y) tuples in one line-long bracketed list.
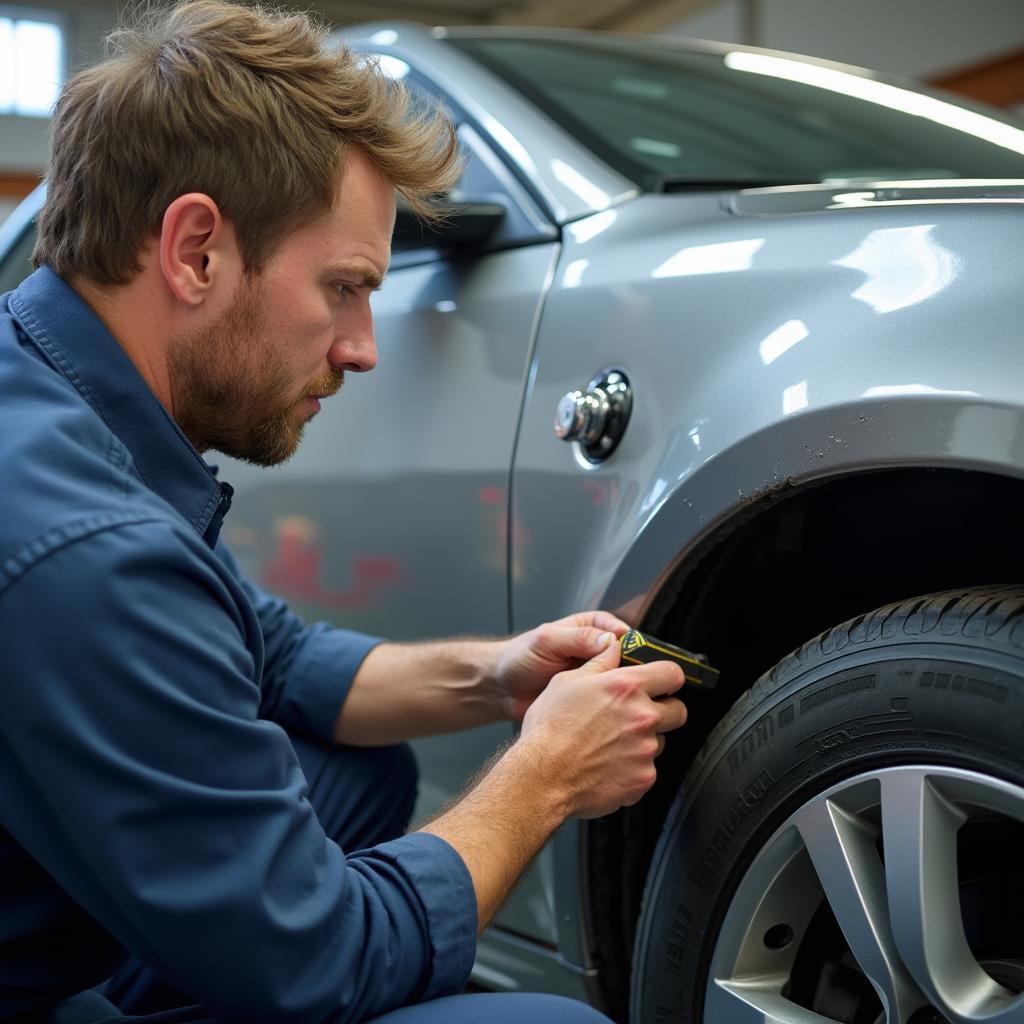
[(640, 648)]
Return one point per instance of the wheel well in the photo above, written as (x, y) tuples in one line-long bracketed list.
[(783, 569)]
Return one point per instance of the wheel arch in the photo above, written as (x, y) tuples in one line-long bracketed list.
[(784, 562)]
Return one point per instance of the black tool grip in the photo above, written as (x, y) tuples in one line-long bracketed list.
[(640, 648)]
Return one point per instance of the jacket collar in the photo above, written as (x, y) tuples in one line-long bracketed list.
[(79, 346)]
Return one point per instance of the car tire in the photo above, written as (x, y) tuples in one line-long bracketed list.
[(847, 845)]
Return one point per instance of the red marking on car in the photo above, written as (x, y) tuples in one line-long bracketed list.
[(295, 569)]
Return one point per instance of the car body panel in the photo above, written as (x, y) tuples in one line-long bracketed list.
[(508, 962)]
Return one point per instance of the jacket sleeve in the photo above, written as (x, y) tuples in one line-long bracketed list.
[(307, 669), (138, 773)]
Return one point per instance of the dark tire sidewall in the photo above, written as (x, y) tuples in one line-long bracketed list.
[(941, 701)]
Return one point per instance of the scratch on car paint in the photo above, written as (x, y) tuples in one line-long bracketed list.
[(767, 489)]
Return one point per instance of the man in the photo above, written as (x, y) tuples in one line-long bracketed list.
[(220, 207)]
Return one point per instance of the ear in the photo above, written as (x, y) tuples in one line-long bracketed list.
[(198, 249)]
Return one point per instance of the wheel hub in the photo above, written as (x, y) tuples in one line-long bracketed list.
[(892, 898)]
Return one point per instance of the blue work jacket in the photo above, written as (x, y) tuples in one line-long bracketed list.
[(150, 799)]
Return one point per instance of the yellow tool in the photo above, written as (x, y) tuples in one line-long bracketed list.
[(639, 648)]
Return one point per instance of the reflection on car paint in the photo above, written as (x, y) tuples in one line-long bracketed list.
[(576, 182), (782, 339), (716, 258), (590, 227), (794, 398), (903, 265), (950, 115), (574, 273), (885, 390)]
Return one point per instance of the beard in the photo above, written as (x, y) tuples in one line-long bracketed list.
[(231, 386)]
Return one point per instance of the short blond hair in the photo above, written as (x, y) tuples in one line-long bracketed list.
[(244, 104)]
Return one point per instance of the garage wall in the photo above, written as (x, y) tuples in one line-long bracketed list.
[(23, 140)]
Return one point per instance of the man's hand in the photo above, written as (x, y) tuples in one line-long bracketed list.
[(601, 725), (587, 747), (402, 691), (527, 662)]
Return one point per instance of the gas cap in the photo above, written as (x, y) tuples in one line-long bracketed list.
[(596, 419)]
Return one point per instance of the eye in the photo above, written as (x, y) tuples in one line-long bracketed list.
[(344, 290)]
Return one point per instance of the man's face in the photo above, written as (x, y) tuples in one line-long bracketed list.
[(248, 383)]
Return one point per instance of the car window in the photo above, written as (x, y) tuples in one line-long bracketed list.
[(484, 178), (667, 116), (16, 264)]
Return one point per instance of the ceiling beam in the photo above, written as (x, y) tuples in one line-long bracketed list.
[(17, 185), (999, 81)]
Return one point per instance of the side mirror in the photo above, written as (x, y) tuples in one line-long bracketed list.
[(466, 222)]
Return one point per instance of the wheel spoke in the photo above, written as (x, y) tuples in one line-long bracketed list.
[(733, 1002), (899, 909), (919, 827), (842, 848)]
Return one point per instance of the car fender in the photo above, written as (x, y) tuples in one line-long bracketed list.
[(763, 352), (855, 437)]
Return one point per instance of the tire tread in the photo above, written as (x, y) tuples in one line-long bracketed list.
[(991, 616), (993, 612)]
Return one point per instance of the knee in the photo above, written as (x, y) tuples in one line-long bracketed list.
[(562, 1010), (497, 1008)]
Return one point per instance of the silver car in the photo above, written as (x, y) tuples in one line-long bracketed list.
[(731, 342)]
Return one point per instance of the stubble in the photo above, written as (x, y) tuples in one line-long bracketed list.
[(231, 386)]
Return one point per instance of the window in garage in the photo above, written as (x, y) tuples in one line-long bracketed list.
[(31, 61)]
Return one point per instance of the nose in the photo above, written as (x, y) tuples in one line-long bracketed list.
[(356, 350)]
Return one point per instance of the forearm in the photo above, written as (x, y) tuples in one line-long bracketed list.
[(403, 691), (501, 823)]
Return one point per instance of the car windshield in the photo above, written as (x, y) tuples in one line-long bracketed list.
[(675, 118)]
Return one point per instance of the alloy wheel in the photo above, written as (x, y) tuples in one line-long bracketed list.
[(894, 897)]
